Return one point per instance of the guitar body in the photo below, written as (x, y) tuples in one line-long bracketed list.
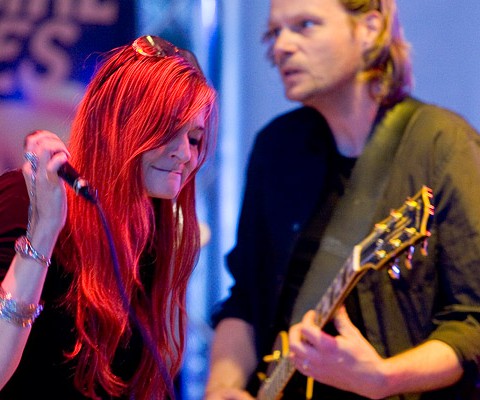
[(296, 386), (280, 350)]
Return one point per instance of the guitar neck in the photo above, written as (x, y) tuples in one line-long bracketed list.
[(342, 285)]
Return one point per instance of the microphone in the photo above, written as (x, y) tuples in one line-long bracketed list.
[(79, 184)]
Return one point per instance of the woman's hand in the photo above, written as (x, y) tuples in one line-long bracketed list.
[(45, 154)]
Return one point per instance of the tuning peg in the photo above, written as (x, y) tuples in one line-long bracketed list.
[(396, 215), (408, 258), (394, 271), (380, 228), (424, 248), (411, 204), (380, 254)]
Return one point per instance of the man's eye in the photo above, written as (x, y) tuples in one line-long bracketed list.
[(308, 23), (271, 34)]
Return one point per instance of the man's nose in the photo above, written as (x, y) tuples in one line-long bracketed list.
[(284, 44)]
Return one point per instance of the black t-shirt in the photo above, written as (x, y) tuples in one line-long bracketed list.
[(339, 170)]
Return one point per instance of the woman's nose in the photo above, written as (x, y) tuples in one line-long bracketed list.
[(181, 148)]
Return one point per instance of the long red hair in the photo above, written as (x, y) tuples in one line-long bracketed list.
[(133, 104)]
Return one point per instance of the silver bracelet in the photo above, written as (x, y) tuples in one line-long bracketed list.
[(23, 246), (32, 158), (17, 312)]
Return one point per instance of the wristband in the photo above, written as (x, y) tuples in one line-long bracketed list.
[(17, 312), (23, 246)]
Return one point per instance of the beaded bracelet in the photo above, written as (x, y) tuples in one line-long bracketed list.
[(23, 246), (18, 312)]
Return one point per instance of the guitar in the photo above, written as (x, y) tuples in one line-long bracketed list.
[(400, 231)]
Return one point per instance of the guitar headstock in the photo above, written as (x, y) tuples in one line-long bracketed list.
[(401, 230)]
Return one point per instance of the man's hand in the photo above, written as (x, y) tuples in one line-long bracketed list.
[(346, 361)]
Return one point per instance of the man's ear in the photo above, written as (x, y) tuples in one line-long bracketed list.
[(370, 27)]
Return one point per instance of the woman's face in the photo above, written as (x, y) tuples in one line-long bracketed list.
[(166, 168)]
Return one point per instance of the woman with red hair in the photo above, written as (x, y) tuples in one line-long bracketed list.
[(112, 304)]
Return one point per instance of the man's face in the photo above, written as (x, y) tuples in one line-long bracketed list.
[(316, 48)]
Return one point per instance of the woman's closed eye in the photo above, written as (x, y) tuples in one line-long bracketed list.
[(195, 137)]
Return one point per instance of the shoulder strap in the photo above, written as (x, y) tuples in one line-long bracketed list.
[(352, 218)]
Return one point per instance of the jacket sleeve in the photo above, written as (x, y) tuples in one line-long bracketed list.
[(445, 150), (457, 177)]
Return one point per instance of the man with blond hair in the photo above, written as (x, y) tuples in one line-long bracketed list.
[(358, 140)]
